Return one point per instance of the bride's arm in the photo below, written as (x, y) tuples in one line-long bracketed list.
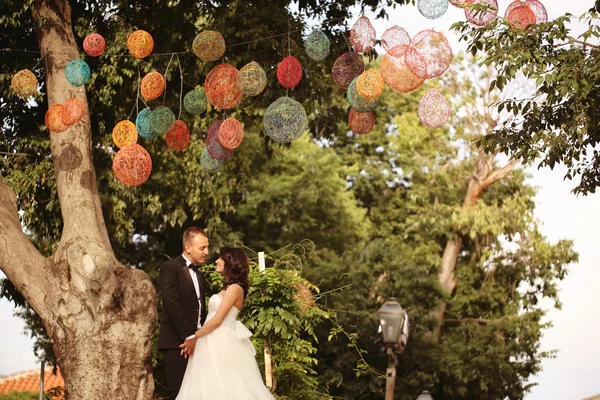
[(232, 294)]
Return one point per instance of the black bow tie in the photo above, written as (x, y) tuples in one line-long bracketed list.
[(194, 267)]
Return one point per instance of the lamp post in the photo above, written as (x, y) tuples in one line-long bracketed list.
[(424, 396), (393, 323)]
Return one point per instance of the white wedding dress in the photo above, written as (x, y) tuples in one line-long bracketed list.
[(223, 365)]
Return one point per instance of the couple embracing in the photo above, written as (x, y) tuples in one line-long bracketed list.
[(207, 352)]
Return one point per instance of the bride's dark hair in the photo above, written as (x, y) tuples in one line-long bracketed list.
[(236, 267)]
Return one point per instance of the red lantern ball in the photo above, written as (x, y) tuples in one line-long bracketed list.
[(221, 87), (519, 15), (132, 165), (72, 111), (152, 85), (231, 133), (361, 122), (347, 67), (479, 17), (178, 137), (53, 119), (213, 146), (94, 44), (289, 72)]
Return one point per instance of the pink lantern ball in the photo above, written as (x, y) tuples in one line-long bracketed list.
[(94, 45), (480, 17), (433, 110), (393, 37), (541, 15), (435, 50), (178, 137), (362, 35), (289, 72), (231, 133)]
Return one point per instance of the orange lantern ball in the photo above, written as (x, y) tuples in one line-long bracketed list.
[(361, 122), (397, 74), (231, 133), (124, 133), (178, 137), (53, 119), (140, 44), (369, 85), (24, 83), (94, 44), (152, 85), (221, 87), (132, 165), (72, 111)]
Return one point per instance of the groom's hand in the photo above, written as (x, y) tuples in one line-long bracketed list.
[(187, 347)]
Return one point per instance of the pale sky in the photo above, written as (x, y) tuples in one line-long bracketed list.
[(575, 372)]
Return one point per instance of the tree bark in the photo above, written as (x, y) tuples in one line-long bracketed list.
[(482, 178), (99, 315)]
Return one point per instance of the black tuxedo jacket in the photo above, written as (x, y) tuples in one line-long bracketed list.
[(179, 303)]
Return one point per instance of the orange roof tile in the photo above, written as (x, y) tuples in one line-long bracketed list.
[(29, 381)]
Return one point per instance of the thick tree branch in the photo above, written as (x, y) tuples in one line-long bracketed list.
[(19, 259), (498, 174)]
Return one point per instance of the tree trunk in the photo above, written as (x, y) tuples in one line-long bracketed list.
[(99, 315), (481, 179)]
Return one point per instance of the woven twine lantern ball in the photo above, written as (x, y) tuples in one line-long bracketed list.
[(520, 16), (303, 297), (24, 83), (221, 87), (432, 9), (393, 37), (161, 120), (252, 79), (289, 72), (72, 111), (209, 46), (142, 124), (541, 15), (396, 73), (140, 44), (212, 142), (458, 3), (347, 67), (433, 110), (435, 49), (78, 72), (361, 122), (210, 164), (231, 133), (178, 137), (358, 102), (152, 85), (195, 101), (480, 17), (53, 119), (94, 44), (317, 45), (132, 165), (285, 120), (369, 85), (362, 35), (124, 133)]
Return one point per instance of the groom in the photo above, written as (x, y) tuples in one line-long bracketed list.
[(183, 289)]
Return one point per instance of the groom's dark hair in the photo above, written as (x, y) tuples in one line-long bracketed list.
[(191, 232)]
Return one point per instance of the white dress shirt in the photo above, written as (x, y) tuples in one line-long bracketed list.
[(197, 287)]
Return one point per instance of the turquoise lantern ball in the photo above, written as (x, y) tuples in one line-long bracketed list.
[(77, 72), (142, 124)]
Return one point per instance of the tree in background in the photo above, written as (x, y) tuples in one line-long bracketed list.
[(557, 122)]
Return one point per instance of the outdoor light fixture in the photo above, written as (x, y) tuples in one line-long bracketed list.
[(393, 324), (424, 396)]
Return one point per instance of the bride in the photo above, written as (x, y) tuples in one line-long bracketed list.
[(222, 364)]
